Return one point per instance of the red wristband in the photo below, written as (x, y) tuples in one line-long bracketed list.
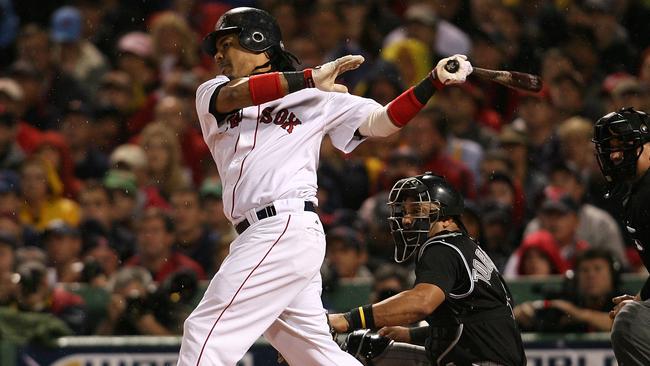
[(403, 108), (309, 80), (265, 88), (434, 79)]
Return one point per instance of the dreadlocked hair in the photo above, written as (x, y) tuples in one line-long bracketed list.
[(282, 60)]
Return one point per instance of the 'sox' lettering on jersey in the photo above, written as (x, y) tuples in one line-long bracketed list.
[(283, 118), (234, 119), (483, 266)]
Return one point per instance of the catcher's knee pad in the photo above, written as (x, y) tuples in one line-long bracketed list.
[(364, 343)]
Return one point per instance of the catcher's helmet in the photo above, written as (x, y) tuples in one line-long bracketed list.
[(257, 30), (624, 131), (423, 199)]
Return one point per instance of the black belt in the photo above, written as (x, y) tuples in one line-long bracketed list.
[(269, 211)]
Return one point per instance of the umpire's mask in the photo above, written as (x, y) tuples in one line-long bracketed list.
[(411, 214)]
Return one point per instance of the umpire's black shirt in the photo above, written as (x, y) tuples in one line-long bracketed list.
[(475, 322), (637, 222)]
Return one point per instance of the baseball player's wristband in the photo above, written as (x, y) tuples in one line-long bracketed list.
[(298, 80), (427, 87), (360, 318), (265, 88)]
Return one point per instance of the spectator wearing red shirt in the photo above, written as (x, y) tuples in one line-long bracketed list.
[(155, 239), (428, 135)]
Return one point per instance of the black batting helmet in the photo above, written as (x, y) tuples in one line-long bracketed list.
[(257, 30), (425, 199), (625, 131)]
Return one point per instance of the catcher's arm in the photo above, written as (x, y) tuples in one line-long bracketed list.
[(404, 308)]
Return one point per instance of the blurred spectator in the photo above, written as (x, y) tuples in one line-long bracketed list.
[(42, 193), (442, 37), (63, 246), (47, 89), (538, 255), (346, 254), (345, 176), (558, 215), (515, 145), (35, 293), (11, 154), (130, 310), (389, 280), (498, 236), (428, 133), (193, 238), (77, 129), (135, 57), (584, 305), (53, 149), (596, 226), (7, 267), (382, 83), (567, 93), (155, 240), (163, 151), (502, 190), (174, 43), (115, 91), (76, 56), (101, 210), (210, 194), (175, 114), (537, 116), (412, 58)]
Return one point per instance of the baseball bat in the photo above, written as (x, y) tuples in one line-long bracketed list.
[(510, 79)]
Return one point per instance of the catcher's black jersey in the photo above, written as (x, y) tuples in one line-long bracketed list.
[(475, 322), (637, 222)]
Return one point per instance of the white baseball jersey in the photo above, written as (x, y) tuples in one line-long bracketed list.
[(270, 281), (270, 152)]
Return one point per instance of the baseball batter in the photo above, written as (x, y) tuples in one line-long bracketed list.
[(264, 123)]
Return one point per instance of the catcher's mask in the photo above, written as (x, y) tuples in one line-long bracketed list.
[(624, 131), (415, 204)]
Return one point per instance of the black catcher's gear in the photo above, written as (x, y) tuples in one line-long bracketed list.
[(623, 131), (364, 343), (423, 199)]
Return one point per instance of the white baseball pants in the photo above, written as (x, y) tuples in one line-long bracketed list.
[(268, 284)]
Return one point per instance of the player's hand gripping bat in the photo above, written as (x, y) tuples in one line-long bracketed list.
[(510, 79)]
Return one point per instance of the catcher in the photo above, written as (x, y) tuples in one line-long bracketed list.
[(458, 290)]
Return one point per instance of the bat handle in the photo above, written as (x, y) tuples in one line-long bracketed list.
[(452, 66)]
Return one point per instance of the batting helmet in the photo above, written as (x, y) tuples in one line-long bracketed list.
[(424, 199), (624, 131), (257, 30)]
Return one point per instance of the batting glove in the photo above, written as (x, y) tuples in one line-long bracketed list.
[(458, 77)]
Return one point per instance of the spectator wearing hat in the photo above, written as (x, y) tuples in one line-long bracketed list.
[(155, 247), (78, 130), (53, 148), (193, 238), (62, 244), (135, 57), (558, 214), (514, 143), (109, 129), (537, 115), (42, 192), (595, 225), (539, 255), (115, 90), (77, 57), (346, 254), (499, 236), (441, 36)]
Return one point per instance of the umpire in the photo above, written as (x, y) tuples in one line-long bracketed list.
[(458, 290), (622, 142)]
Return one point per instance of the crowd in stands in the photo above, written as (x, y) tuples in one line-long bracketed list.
[(105, 179)]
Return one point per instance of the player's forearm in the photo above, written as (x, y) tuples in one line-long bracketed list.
[(259, 89), (402, 309), (387, 120)]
